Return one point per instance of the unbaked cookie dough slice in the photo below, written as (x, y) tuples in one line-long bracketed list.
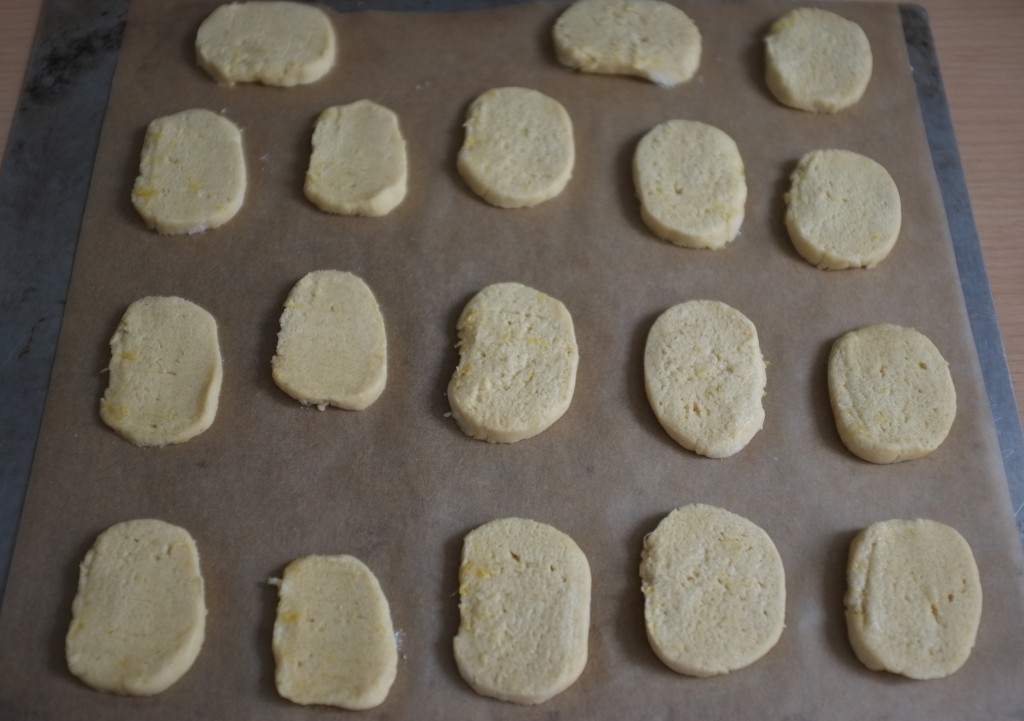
[(274, 43), (517, 364), (191, 173), (524, 608), (646, 38), (334, 643), (139, 617), (165, 372), (842, 210), (892, 394), (358, 163), (705, 377), (714, 591), (913, 598), (692, 186), (519, 149), (817, 60), (332, 349)]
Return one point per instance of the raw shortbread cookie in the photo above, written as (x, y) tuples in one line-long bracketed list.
[(332, 349), (892, 394), (705, 377), (817, 60), (139, 617), (646, 38), (524, 607), (842, 210), (714, 591), (690, 179), (358, 163), (913, 598), (519, 149), (274, 43), (191, 174), (517, 364), (333, 641), (165, 372)]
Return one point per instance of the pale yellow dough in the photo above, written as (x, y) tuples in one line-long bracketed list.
[(517, 364), (334, 643), (165, 372), (519, 149), (842, 210), (274, 43), (524, 608), (913, 598), (358, 165), (139, 617), (817, 60), (646, 38), (705, 377), (191, 173), (691, 182), (892, 394), (714, 591), (332, 348)]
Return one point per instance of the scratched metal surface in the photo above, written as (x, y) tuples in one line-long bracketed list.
[(45, 180)]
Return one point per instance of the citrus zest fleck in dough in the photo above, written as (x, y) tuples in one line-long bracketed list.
[(519, 149), (139, 617), (913, 598), (333, 642), (274, 43), (892, 394), (705, 377), (817, 61), (517, 364), (646, 38), (524, 608), (692, 186), (714, 591), (842, 210), (165, 372), (358, 165), (332, 348), (191, 173)]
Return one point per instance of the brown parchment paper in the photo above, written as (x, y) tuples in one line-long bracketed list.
[(398, 485)]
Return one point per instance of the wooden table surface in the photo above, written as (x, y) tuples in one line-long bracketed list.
[(982, 63)]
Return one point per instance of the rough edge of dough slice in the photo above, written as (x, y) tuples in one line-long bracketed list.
[(358, 165), (656, 41), (346, 589), (117, 608), (236, 33), (505, 564)]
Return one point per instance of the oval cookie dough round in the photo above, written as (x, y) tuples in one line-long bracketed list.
[(165, 372), (332, 348), (842, 210), (817, 60), (705, 377), (191, 173), (892, 394), (913, 598), (646, 38), (274, 43), (333, 641), (139, 617), (519, 149), (517, 363), (358, 165), (524, 609), (690, 179), (714, 591)]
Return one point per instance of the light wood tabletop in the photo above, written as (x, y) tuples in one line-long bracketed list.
[(982, 62)]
